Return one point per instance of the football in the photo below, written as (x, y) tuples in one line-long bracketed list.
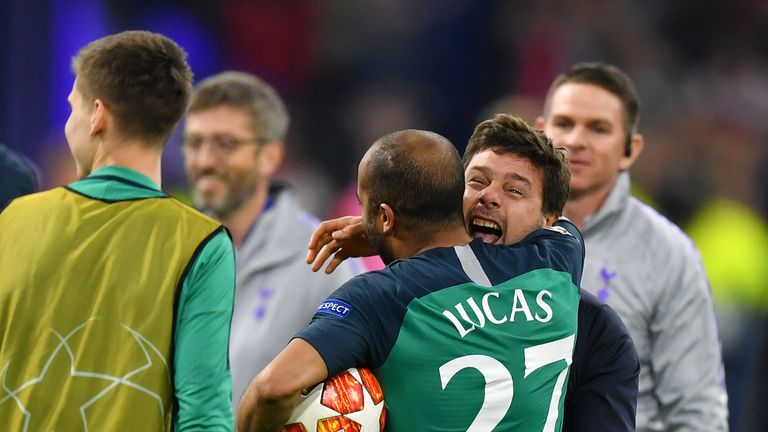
[(351, 401)]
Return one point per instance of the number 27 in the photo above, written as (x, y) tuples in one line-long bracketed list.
[(498, 397)]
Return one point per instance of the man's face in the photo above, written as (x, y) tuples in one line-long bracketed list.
[(221, 157), (590, 122), (502, 197), (77, 131)]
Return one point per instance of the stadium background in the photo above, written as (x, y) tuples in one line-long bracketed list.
[(353, 70)]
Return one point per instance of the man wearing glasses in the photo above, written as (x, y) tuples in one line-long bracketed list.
[(233, 146)]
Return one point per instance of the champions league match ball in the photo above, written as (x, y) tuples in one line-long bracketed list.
[(352, 401)]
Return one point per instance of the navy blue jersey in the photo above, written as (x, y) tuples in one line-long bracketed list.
[(602, 386), (465, 337)]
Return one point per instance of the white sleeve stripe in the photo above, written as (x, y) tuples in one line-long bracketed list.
[(471, 265)]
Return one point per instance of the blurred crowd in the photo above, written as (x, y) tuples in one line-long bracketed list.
[(352, 71)]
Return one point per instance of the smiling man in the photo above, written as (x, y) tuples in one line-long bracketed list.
[(504, 203), (234, 144), (638, 262), (488, 162)]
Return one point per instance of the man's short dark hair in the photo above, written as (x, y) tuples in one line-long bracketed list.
[(507, 134), (609, 78), (17, 176), (142, 77), (423, 191)]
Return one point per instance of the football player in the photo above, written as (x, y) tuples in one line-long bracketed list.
[(457, 329)]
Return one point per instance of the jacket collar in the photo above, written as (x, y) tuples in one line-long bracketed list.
[(278, 234), (617, 200), (115, 183)]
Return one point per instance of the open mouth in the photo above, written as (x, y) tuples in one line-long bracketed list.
[(489, 231)]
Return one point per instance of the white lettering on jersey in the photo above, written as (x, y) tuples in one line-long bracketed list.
[(488, 312), (519, 305), (544, 306)]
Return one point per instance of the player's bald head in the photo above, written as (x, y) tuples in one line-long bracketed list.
[(423, 148), (418, 173)]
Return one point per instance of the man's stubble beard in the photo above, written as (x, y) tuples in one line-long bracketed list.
[(378, 244), (229, 203)]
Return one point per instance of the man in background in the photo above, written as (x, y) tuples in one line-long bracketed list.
[(637, 261), (17, 176), (116, 299), (233, 146)]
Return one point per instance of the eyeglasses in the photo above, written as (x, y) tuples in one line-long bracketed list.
[(220, 145)]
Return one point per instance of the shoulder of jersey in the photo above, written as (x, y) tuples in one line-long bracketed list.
[(558, 229)]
